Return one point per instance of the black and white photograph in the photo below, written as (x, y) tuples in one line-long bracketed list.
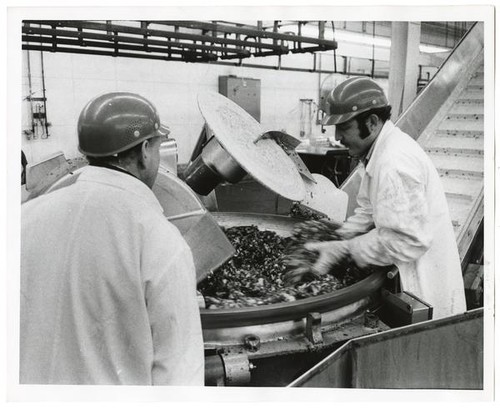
[(250, 204)]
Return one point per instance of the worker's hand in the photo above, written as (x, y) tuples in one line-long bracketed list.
[(346, 233), (295, 274), (331, 253)]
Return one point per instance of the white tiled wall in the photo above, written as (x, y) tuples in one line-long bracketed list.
[(71, 80)]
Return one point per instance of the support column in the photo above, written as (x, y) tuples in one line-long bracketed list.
[(403, 66)]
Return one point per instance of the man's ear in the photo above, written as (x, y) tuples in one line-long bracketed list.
[(145, 152), (372, 122)]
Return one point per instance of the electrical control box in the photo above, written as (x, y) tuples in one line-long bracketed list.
[(245, 92)]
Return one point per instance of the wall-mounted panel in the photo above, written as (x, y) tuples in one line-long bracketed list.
[(245, 92)]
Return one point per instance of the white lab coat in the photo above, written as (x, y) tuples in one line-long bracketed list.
[(403, 207), (108, 292)]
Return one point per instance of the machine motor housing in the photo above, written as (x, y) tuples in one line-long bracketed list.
[(404, 308)]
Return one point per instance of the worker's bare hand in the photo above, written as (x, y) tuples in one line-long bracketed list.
[(296, 275), (331, 253)]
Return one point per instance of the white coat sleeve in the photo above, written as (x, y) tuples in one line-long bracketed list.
[(362, 220), (403, 232), (178, 356)]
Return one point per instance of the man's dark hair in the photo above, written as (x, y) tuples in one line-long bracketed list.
[(383, 113)]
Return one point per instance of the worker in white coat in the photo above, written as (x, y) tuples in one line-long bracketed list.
[(108, 292), (402, 216)]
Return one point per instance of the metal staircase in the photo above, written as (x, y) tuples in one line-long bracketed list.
[(454, 140)]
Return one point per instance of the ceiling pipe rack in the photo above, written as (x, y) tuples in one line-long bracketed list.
[(189, 41)]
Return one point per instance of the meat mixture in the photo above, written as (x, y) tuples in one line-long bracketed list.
[(254, 276)]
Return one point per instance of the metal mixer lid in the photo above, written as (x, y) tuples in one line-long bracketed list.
[(236, 131)]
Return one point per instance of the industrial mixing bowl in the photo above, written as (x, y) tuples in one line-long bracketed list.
[(276, 322)]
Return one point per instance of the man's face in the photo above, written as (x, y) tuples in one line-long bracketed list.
[(349, 134)]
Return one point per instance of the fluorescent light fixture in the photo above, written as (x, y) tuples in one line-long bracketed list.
[(382, 42), (364, 39), (433, 49)]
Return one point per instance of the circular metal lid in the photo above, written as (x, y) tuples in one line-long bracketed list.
[(264, 160)]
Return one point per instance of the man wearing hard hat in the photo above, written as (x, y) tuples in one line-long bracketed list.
[(402, 216), (108, 292)]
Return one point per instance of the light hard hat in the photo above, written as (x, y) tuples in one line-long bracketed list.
[(115, 122), (352, 97)]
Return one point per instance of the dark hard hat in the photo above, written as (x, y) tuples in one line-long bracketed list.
[(117, 121), (352, 97)]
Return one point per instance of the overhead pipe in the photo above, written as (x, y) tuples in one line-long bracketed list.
[(44, 99), (29, 97), (274, 36)]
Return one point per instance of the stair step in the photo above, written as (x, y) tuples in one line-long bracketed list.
[(472, 94), (462, 187), (462, 125), (477, 79), (468, 107), (459, 211), (465, 116), (454, 151), (473, 87), (455, 196), (461, 134), (458, 165), (443, 141), (459, 172)]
